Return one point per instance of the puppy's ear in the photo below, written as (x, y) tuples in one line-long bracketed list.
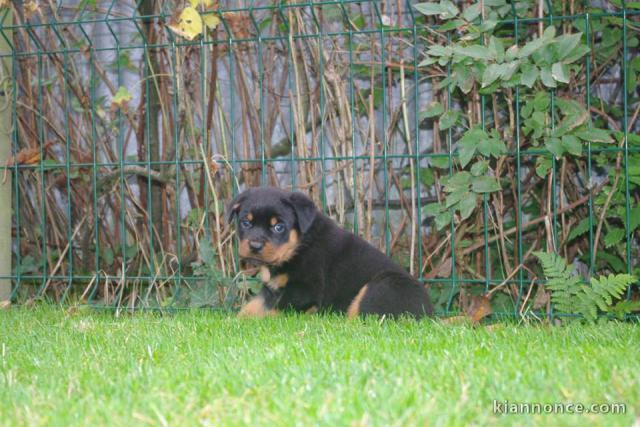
[(305, 210), (233, 207)]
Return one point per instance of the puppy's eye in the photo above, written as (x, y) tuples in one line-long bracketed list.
[(279, 228), (245, 223)]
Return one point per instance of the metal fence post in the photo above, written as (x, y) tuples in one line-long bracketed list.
[(6, 98)]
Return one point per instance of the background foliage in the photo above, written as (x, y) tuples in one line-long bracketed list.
[(460, 137)]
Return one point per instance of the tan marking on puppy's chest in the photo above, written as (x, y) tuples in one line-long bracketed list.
[(276, 282)]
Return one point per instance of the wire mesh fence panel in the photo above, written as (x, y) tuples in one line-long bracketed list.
[(460, 138)]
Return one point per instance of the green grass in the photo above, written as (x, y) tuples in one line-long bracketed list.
[(198, 367)]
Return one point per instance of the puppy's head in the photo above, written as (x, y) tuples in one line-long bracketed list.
[(271, 223)]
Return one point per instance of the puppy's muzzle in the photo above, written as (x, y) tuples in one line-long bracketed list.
[(256, 246)]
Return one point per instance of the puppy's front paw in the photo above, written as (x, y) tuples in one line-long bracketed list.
[(256, 308)]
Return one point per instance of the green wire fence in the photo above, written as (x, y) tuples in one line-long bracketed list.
[(133, 122)]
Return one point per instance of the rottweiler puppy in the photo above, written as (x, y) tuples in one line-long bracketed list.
[(309, 264)]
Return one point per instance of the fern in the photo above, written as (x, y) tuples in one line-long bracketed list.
[(563, 285), (571, 295), (623, 308), (601, 293)]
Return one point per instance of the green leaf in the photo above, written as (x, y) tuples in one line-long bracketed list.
[(131, 251), (452, 25), (472, 12), (448, 119), (479, 168), (594, 135), (487, 25), (440, 162), (429, 8), (492, 147), (466, 151), (453, 198), (613, 236), (554, 145), (121, 98), (473, 51), (485, 184), (445, 9), (538, 123), (432, 209), (566, 43), (572, 144), (530, 47), (426, 177), (458, 182), (443, 219), (571, 120), (467, 205), (541, 101), (124, 61), (450, 9), (560, 72), (433, 109), (491, 74), (463, 77), (547, 77), (438, 50), (634, 219), (543, 164), (507, 70), (512, 53), (529, 75), (468, 143), (570, 107), (579, 230), (613, 261), (496, 48), (359, 22), (549, 33), (575, 54)]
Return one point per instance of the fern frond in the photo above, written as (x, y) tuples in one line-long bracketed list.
[(571, 295), (564, 293), (553, 265), (563, 286), (613, 284), (623, 308), (601, 294)]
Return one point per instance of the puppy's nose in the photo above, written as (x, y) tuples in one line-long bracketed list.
[(256, 246)]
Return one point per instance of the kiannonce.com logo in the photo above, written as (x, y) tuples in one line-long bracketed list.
[(505, 407)]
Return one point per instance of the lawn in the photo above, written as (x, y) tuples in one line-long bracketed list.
[(199, 367)]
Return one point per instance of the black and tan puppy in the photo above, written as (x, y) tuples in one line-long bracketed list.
[(308, 263)]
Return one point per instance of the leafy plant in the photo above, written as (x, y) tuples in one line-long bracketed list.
[(571, 295), (216, 289), (519, 131)]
